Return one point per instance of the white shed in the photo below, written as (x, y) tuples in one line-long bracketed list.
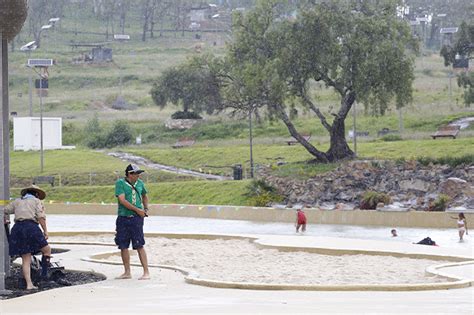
[(27, 133)]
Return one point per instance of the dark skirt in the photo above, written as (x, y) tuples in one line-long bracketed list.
[(26, 237)]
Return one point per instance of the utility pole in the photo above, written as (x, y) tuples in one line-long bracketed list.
[(4, 161), (354, 135), (251, 141)]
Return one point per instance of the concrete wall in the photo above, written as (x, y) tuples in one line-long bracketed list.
[(315, 216)]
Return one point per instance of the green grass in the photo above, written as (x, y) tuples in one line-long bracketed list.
[(205, 193), (217, 159), (76, 167), (214, 159), (412, 149)]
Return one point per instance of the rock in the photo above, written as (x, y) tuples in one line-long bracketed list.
[(414, 184), (411, 184), (181, 123), (454, 186)]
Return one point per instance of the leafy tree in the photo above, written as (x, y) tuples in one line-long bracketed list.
[(463, 47), (188, 85), (356, 48)]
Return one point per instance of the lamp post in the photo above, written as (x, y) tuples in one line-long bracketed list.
[(251, 141), (43, 76), (29, 47), (43, 65), (354, 135)]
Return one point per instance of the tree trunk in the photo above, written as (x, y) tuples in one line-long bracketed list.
[(339, 149), (320, 156)]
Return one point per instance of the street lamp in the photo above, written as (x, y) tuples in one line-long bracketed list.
[(29, 47), (52, 22), (43, 65)]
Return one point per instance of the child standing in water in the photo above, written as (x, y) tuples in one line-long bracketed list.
[(462, 225), (300, 221)]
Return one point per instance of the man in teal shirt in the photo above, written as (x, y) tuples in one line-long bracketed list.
[(132, 208)]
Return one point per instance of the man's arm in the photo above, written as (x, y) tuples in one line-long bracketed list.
[(145, 204), (129, 206), (145, 201)]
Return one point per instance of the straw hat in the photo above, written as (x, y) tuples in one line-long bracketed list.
[(39, 191)]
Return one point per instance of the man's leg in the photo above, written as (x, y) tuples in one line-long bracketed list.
[(144, 261), (26, 268), (126, 264)]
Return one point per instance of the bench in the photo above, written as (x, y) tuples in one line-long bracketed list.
[(293, 141), (183, 142), (44, 179), (358, 134), (449, 131), (385, 131)]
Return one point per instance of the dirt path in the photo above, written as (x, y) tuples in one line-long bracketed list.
[(145, 162)]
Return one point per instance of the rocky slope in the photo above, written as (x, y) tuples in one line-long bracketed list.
[(409, 184)]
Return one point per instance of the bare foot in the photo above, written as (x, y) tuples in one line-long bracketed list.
[(32, 287), (144, 277), (124, 276)]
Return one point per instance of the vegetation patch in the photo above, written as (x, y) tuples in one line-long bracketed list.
[(371, 199), (261, 194)]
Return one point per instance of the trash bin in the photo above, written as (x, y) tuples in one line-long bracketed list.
[(237, 171)]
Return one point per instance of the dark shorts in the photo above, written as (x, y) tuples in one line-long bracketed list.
[(26, 237), (129, 229)]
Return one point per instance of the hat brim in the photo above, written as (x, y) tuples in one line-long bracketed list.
[(41, 193), (136, 172)]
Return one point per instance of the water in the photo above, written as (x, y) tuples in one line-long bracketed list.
[(162, 224)]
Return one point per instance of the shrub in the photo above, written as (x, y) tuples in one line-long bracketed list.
[(95, 137), (261, 194), (185, 115), (96, 141), (120, 134), (370, 199), (440, 204)]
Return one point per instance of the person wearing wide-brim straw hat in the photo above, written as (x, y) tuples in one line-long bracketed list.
[(26, 237), (33, 189)]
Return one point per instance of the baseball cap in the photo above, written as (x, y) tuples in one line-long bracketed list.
[(133, 168)]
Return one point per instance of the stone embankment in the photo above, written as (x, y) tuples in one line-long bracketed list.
[(409, 184)]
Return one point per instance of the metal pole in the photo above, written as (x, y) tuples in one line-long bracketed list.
[(400, 120), (4, 161), (30, 93), (120, 75), (30, 88), (251, 142), (450, 75), (41, 122), (354, 114)]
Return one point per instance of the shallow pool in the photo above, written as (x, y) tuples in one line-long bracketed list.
[(163, 224)]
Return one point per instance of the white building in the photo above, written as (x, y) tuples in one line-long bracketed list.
[(27, 133)]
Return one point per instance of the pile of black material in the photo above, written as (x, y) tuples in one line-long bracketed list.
[(16, 283), (57, 277)]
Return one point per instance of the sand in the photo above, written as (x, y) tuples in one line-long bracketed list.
[(240, 260)]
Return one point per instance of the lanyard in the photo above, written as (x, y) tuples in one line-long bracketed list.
[(134, 192)]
